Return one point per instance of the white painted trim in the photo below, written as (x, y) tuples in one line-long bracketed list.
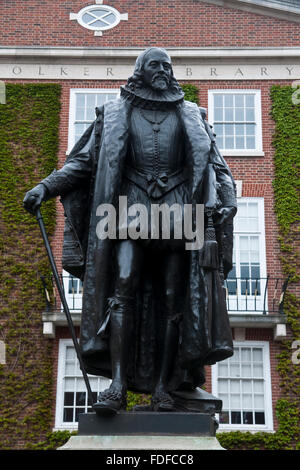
[(262, 255), (238, 153), (269, 426), (258, 151), (36, 52), (59, 424), (59, 408), (239, 187)]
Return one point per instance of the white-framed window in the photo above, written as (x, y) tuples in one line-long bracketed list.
[(236, 118), (83, 102), (243, 383), (71, 395), (73, 288), (246, 282)]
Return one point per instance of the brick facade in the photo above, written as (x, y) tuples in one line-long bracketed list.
[(181, 24)]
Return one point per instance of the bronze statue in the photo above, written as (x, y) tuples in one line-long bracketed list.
[(154, 314)]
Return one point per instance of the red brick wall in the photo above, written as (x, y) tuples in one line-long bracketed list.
[(176, 23), (256, 173)]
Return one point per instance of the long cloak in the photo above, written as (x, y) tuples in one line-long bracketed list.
[(92, 176)]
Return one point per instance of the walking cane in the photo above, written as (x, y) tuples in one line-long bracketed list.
[(64, 302)]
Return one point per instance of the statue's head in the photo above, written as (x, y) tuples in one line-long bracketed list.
[(153, 68)]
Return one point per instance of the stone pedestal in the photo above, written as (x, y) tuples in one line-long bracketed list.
[(153, 443), (192, 426)]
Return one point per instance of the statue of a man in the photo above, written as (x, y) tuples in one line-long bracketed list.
[(153, 312)]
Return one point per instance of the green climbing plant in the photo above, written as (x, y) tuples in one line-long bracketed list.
[(29, 123)]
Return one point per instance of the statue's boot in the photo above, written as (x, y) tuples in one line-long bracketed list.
[(113, 399), (161, 399)]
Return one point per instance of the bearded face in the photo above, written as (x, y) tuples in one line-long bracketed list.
[(157, 70)]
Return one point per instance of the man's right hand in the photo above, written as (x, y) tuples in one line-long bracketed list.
[(34, 198)]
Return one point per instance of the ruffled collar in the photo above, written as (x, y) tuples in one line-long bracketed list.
[(147, 98)]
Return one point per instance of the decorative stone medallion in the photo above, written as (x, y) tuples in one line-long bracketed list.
[(98, 17)]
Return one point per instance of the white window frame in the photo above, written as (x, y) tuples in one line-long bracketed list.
[(59, 423), (72, 299), (262, 253), (268, 426), (258, 151), (72, 109)]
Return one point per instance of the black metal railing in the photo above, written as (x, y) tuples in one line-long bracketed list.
[(243, 295), (256, 295)]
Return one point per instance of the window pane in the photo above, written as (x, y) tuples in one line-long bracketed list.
[(234, 386), (80, 100), (229, 142), (80, 398), (259, 417), (245, 274), (255, 274), (249, 100), (225, 400), (228, 101), (234, 370), (218, 101), (239, 129), (229, 130), (223, 370), (224, 417), (246, 370), (223, 386), (257, 370), (80, 114), (246, 354), (240, 143), (218, 128), (250, 129), (219, 141), (259, 402), (250, 116), (244, 243), (236, 355), (70, 353), (235, 417), (69, 399), (247, 417), (247, 401), (228, 114), (239, 114), (68, 415), (257, 355), (70, 368), (72, 286), (235, 401), (239, 101), (258, 386), (250, 143), (218, 114), (247, 386)]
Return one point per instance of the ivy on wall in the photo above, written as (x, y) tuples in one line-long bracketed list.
[(286, 185), (28, 148), (29, 123)]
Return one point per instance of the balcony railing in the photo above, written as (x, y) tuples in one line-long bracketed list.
[(256, 295), (243, 295)]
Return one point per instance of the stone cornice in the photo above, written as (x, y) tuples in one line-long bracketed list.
[(36, 53), (262, 7)]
